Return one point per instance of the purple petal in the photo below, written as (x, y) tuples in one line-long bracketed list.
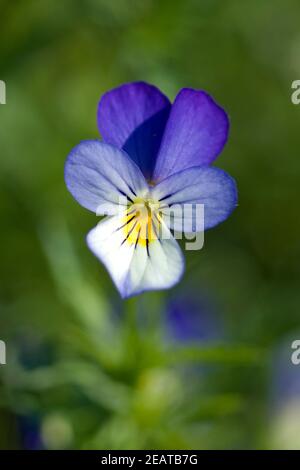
[(133, 117), (99, 176), (199, 185), (191, 317), (195, 133)]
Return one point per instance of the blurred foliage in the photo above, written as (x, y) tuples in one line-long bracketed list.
[(86, 370)]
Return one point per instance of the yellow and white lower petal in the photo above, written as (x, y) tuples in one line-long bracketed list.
[(138, 250)]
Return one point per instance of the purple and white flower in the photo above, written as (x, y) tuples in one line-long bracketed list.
[(154, 155)]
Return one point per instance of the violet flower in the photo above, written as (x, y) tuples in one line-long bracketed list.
[(192, 319), (154, 155)]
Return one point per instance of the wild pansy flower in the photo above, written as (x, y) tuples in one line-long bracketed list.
[(191, 318), (30, 432), (153, 156)]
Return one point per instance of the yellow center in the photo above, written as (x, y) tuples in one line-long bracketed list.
[(142, 221)]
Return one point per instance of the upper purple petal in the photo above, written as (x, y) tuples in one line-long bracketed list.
[(133, 117), (100, 176), (195, 133)]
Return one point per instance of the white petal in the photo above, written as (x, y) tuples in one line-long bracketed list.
[(133, 267)]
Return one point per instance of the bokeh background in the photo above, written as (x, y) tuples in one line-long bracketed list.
[(207, 364)]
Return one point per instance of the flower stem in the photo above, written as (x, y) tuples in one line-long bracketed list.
[(131, 330), (132, 314)]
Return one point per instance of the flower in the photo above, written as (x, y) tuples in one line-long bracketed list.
[(192, 318), (29, 430), (153, 156)]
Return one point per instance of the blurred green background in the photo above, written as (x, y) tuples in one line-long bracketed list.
[(193, 367)]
